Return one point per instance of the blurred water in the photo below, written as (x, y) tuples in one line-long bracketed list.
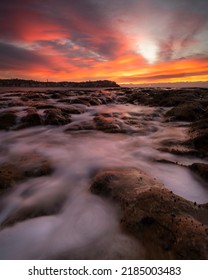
[(87, 226)]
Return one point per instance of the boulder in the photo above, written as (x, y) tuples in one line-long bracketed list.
[(190, 111), (200, 141), (108, 124), (201, 169), (21, 167), (9, 175), (74, 109), (31, 119), (56, 117), (39, 96), (7, 120), (168, 226)]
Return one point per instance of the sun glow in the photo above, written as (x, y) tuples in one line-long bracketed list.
[(148, 50)]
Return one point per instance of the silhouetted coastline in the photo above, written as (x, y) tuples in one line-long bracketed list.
[(32, 83)]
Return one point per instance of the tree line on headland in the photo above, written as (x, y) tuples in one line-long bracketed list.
[(32, 83)]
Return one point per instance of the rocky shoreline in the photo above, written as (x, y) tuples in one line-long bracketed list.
[(167, 225)]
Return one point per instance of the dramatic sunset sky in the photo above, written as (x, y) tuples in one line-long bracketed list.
[(128, 41)]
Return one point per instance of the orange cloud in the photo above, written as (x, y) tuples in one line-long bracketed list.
[(125, 41)]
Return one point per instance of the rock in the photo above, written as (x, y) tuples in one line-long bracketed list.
[(9, 175), (80, 100), (200, 169), (72, 109), (180, 149), (84, 125), (15, 103), (108, 124), (23, 166), (39, 96), (7, 120), (168, 226), (96, 101), (33, 164), (40, 104), (56, 117), (200, 141), (162, 97), (31, 119), (200, 125), (185, 112)]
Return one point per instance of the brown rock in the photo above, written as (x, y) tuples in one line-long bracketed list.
[(56, 117), (72, 109), (33, 164), (200, 169), (21, 167), (9, 175), (200, 141), (31, 119), (108, 124), (185, 112), (39, 96), (168, 226), (80, 100), (7, 120), (200, 125)]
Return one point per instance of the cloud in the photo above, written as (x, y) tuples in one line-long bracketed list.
[(181, 36), (96, 38), (13, 57), (191, 69), (80, 21)]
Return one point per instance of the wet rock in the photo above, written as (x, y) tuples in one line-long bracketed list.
[(167, 97), (72, 109), (40, 104), (182, 150), (199, 134), (7, 120), (185, 112), (136, 97), (9, 175), (34, 96), (33, 164), (80, 100), (84, 125), (56, 117), (31, 119), (168, 226), (200, 125), (200, 169), (161, 97), (200, 141), (108, 124), (21, 167), (96, 101), (15, 103)]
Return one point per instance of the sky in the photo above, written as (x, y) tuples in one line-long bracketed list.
[(134, 41)]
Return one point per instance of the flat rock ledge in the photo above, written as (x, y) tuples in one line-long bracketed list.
[(168, 226)]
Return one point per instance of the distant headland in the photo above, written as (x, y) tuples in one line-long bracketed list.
[(32, 83)]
